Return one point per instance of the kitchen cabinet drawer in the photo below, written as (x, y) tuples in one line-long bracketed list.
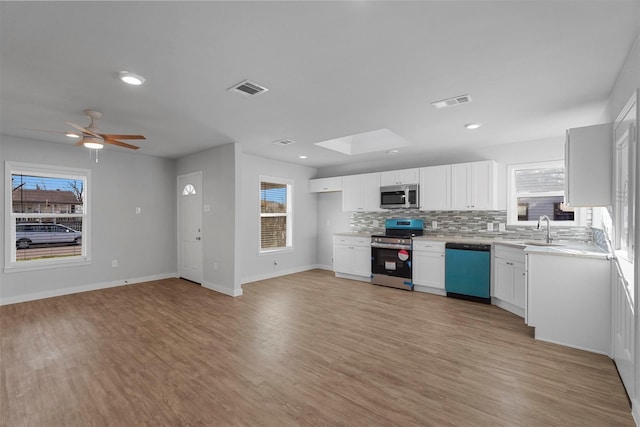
[(509, 253), (322, 185), (352, 241), (428, 246)]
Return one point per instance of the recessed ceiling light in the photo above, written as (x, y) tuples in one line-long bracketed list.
[(302, 156), (473, 125), (131, 78), (392, 152), (72, 135)]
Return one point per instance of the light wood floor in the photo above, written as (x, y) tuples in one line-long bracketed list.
[(304, 349)]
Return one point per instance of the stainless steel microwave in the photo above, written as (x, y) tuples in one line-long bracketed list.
[(403, 196)]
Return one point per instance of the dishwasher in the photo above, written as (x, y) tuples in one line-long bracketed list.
[(467, 271)]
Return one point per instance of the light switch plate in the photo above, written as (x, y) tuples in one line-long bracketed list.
[(206, 208), (501, 226)]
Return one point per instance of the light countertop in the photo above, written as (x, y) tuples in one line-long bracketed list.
[(562, 248)]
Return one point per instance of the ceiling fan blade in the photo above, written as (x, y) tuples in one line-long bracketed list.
[(49, 131), (113, 136), (120, 144), (83, 130)]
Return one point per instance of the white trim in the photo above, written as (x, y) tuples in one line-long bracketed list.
[(222, 289), (84, 288), (580, 216), (36, 169), (289, 214), (279, 273), (635, 410)]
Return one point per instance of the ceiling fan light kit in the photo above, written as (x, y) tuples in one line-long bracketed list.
[(131, 78)]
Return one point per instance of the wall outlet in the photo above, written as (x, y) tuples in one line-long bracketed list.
[(206, 208), (138, 210), (434, 225), (114, 263), (275, 262), (489, 226), (215, 265), (501, 226), (376, 223)]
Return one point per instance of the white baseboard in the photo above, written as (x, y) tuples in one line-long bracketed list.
[(278, 273), (324, 267), (83, 288), (604, 353), (222, 289), (429, 290), (354, 277)]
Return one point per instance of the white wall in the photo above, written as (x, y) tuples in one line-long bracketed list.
[(144, 245), (331, 220), (627, 82), (221, 169), (304, 255)]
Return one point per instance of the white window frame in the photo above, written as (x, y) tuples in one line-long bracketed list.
[(10, 263), (288, 214), (579, 218), (629, 138)]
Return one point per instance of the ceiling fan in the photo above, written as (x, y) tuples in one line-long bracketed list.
[(92, 136)]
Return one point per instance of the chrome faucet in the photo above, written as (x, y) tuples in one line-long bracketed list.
[(546, 218)]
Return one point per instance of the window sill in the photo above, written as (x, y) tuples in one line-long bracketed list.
[(276, 251), (19, 267)]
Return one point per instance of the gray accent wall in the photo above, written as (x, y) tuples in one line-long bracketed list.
[(256, 266), (144, 244), (221, 182)]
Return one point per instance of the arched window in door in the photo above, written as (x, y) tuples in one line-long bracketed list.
[(188, 190)]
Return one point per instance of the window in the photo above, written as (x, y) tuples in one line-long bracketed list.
[(537, 189), (48, 220), (275, 214), (625, 170)]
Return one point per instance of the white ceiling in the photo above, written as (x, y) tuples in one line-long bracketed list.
[(333, 69)]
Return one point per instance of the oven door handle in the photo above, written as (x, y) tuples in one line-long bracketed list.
[(390, 246)]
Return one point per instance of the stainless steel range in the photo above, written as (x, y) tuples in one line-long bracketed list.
[(391, 253)]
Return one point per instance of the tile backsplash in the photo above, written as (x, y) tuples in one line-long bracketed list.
[(469, 224)]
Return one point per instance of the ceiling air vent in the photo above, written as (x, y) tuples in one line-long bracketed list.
[(449, 102), (283, 142), (247, 88)]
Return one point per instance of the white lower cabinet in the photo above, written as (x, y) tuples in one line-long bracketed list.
[(428, 266), (509, 279), (352, 257)]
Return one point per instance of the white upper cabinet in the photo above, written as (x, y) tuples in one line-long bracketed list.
[(404, 176), (435, 188), (322, 185), (588, 160), (361, 193), (474, 186)]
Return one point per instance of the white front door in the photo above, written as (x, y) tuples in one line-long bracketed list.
[(190, 226)]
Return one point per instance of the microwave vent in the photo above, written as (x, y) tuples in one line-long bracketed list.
[(248, 88), (450, 102)]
